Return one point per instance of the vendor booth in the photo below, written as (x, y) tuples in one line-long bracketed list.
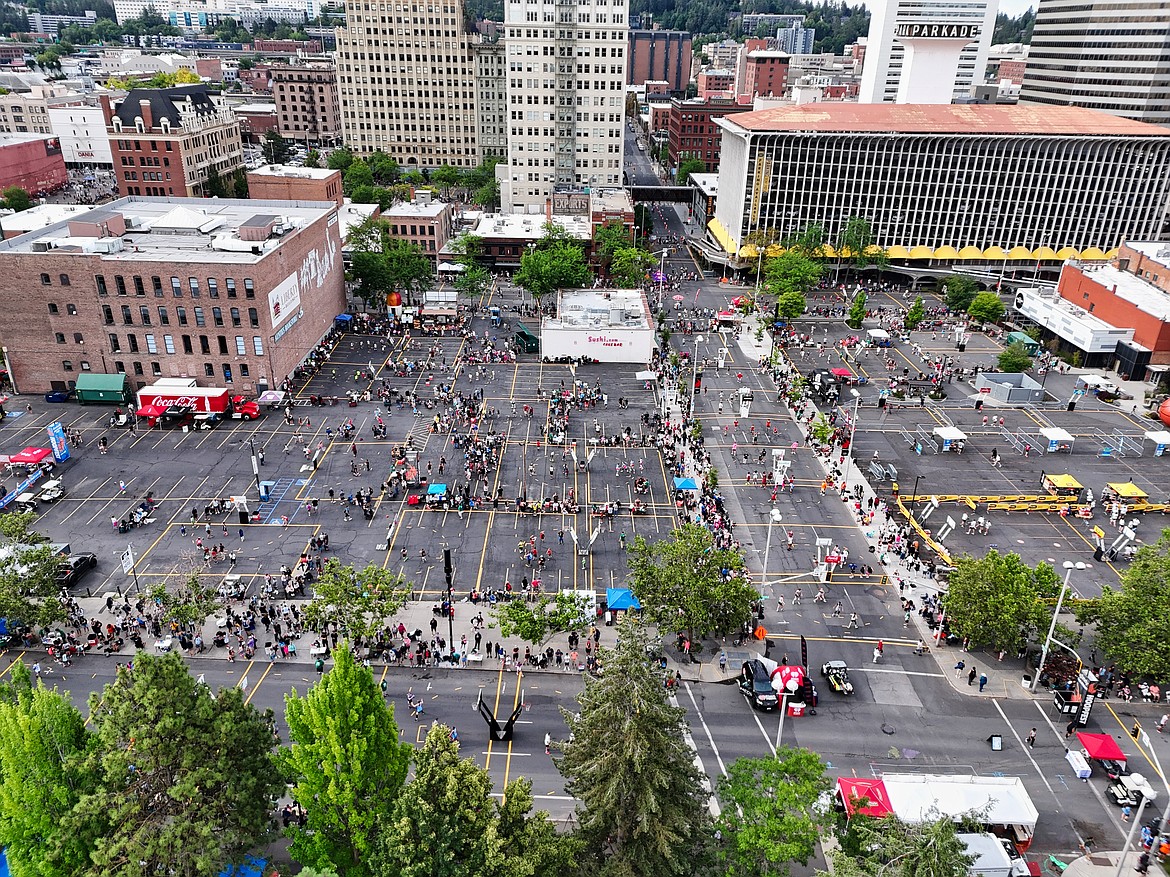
[(1002, 802), (1064, 486), (867, 797), (1123, 491), (950, 438), (1160, 439), (1056, 440)]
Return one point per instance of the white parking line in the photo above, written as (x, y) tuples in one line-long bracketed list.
[(712, 803), (900, 672)]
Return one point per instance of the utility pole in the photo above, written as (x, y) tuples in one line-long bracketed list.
[(449, 572)]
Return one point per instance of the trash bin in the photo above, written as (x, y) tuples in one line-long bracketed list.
[(608, 618), (1026, 681), (243, 516)]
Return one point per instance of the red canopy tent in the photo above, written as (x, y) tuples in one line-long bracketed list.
[(150, 411), (841, 372), (1101, 747), (852, 791), (30, 455)]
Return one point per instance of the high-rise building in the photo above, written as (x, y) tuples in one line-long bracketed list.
[(566, 98), (660, 55), (406, 79), (1109, 55), (796, 39), (307, 107), (491, 88), (886, 55)]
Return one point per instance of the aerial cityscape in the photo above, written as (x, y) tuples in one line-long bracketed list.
[(620, 437)]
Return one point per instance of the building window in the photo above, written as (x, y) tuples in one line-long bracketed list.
[(241, 346), (115, 344), (212, 287), (71, 310), (227, 373), (199, 321), (223, 348), (194, 282), (204, 346), (101, 284), (253, 318), (163, 319), (53, 309), (46, 280), (151, 347), (85, 366), (138, 368), (181, 314), (132, 340), (208, 370), (244, 372), (119, 367), (177, 287), (144, 315), (60, 336), (127, 319), (187, 348), (258, 345), (67, 365), (120, 284), (139, 289), (63, 279), (78, 338), (156, 369), (230, 284), (217, 316), (235, 312), (249, 288), (169, 343), (156, 285)]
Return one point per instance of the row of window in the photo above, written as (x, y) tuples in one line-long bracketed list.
[(164, 319), (194, 286), (187, 342), (156, 368)]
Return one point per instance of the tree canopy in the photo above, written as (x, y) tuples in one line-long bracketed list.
[(16, 199), (893, 848), (686, 584), (358, 601), (791, 271), (556, 264), (986, 307), (275, 149), (629, 266), (346, 765), (28, 575), (959, 291), (915, 315), (535, 622), (857, 311), (997, 600), (688, 164), (382, 264), (1014, 358)]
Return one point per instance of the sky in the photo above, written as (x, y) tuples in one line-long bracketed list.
[(1015, 7)]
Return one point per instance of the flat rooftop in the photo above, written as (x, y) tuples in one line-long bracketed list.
[(611, 201), (416, 210), (287, 170), (708, 184), (600, 309), (530, 226), (988, 119), (40, 216), (1140, 293), (174, 230)]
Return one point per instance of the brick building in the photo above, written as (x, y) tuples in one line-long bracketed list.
[(165, 141), (766, 73), (34, 162), (692, 129), (660, 54), (423, 221), (716, 83), (256, 79), (231, 293), (307, 107), (274, 182), (256, 120)]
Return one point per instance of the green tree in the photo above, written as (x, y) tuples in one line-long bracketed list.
[(410, 269), (191, 604), (629, 267), (986, 307), (791, 305), (643, 808), (346, 765), (857, 311), (558, 265), (608, 239), (42, 737), (893, 848), (791, 271), (996, 600), (810, 242), (535, 622), (313, 158), (381, 264), (858, 246), (358, 601), (356, 175), (340, 160), (28, 574), (530, 845), (960, 290), (689, 164), (240, 183), (443, 823), (770, 815), (184, 780), (1131, 621), (17, 199), (214, 187), (686, 584), (445, 176), (916, 314), (1014, 358), (473, 281), (414, 177), (487, 195), (275, 149)]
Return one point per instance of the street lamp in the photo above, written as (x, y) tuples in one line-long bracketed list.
[(698, 374), (256, 469), (774, 518), (852, 433), (1069, 566)]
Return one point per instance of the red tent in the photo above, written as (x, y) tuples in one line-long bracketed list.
[(150, 411), (851, 792), (1101, 747), (841, 372), (30, 455)]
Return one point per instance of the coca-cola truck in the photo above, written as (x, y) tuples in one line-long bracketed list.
[(170, 398)]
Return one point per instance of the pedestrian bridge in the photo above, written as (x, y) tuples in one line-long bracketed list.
[(682, 194)]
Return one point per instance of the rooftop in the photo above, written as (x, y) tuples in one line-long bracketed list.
[(708, 184), (7, 139), (530, 226), (164, 103), (416, 210), (254, 108), (600, 309), (40, 216), (940, 119), (173, 230), (611, 201), (286, 170), (1127, 286)]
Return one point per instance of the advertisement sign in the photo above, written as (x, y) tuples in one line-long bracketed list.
[(57, 441), (284, 300)]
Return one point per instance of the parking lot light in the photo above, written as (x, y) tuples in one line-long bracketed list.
[(1069, 566)]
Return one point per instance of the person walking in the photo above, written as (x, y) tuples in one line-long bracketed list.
[(723, 662), (877, 653), (1162, 722), (1031, 739), (959, 667), (547, 743), (971, 676), (982, 682)]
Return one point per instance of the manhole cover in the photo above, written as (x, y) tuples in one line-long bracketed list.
[(888, 728)]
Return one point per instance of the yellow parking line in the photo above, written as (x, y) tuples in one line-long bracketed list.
[(252, 693), (244, 675), (1136, 743)]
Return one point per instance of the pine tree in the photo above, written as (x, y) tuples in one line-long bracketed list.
[(643, 806)]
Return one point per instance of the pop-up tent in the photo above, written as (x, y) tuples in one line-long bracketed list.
[(621, 599), (1101, 747), (30, 455), (867, 797), (685, 484)]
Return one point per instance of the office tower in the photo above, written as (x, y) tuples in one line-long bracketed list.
[(1109, 55), (566, 98), (660, 55), (885, 54)]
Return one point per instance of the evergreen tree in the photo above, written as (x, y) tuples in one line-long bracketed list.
[(643, 807), (346, 765)]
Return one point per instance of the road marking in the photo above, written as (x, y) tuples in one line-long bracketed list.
[(244, 675), (260, 682), (712, 803), (515, 704), (900, 672), (1025, 749), (495, 711), (15, 661), (1136, 742)]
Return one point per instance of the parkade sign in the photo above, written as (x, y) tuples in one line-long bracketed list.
[(926, 31)]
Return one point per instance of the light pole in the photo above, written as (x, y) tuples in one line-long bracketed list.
[(852, 433), (1069, 566), (1137, 820), (698, 374), (1149, 744), (256, 469), (774, 518)]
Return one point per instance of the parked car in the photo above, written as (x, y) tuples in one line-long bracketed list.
[(756, 684), (836, 674), (75, 567)]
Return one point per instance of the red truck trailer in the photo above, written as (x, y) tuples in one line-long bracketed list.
[(157, 400)]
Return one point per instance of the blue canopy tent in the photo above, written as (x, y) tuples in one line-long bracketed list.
[(621, 600), (685, 484), (251, 867), (437, 490), (343, 321)]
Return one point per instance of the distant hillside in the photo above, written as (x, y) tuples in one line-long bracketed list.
[(1014, 30)]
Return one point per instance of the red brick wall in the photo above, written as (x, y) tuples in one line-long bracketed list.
[(33, 166), (270, 188), (1085, 292), (129, 148)]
